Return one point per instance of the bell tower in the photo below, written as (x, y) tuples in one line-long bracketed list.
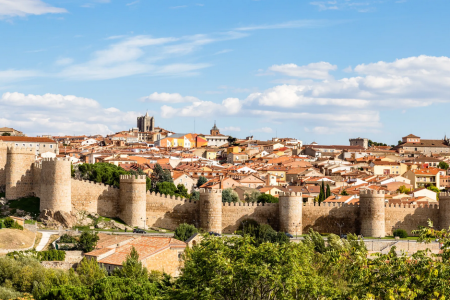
[(215, 130)]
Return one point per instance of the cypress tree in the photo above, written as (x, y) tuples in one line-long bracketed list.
[(328, 191)]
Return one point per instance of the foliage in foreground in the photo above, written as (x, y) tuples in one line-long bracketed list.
[(184, 231), (242, 268)]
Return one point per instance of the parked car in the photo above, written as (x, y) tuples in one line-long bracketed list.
[(289, 235), (214, 233), (138, 230), (343, 236)]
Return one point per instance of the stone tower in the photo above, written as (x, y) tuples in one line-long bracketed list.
[(214, 131), (444, 211), (146, 123), (3, 149), (211, 210), (372, 213), (133, 200), (291, 205), (55, 187), (19, 176)]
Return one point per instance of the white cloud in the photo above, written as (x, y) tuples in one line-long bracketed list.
[(290, 24), (64, 61), (133, 3), (359, 5), (313, 70), (138, 55), (230, 128), (168, 98), (61, 114), (14, 75), (264, 130), (229, 106), (21, 8), (223, 51)]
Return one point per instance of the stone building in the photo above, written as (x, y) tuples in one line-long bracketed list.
[(215, 138), (146, 123), (412, 143), (10, 132), (363, 142)]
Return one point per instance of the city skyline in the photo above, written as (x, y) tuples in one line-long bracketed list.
[(322, 71)]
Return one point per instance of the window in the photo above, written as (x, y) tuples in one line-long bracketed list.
[(51, 146)]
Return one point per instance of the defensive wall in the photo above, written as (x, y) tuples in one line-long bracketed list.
[(51, 181)]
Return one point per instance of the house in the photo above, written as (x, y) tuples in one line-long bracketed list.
[(163, 254), (42, 145), (184, 179), (423, 177), (413, 143), (220, 183), (387, 168), (242, 191), (279, 171), (251, 181), (271, 190), (237, 158), (425, 193)]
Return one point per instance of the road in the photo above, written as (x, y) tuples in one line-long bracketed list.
[(44, 240)]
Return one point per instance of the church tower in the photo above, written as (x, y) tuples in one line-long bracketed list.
[(146, 123), (215, 130)]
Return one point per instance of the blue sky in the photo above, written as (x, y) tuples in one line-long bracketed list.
[(322, 71)]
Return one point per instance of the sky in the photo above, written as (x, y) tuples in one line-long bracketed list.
[(323, 71)]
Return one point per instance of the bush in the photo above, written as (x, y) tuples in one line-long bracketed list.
[(87, 241), (184, 231), (8, 222), (229, 195), (65, 238), (401, 233), (52, 255), (267, 198)]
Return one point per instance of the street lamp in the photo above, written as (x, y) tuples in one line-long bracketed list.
[(340, 225), (144, 219), (296, 226)]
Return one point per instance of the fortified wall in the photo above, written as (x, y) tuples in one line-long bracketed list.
[(51, 181)]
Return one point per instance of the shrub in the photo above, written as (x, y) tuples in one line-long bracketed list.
[(52, 255), (184, 231), (65, 238), (8, 222), (16, 226), (267, 198), (229, 195), (87, 241), (401, 233)]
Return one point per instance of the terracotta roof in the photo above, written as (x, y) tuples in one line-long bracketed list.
[(26, 139)]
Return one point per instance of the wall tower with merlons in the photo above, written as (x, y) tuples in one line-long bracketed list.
[(51, 181)]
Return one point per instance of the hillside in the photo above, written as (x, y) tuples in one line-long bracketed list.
[(15, 239)]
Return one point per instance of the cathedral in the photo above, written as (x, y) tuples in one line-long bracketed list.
[(146, 123)]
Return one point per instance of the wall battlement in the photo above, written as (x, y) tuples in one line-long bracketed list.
[(50, 179)]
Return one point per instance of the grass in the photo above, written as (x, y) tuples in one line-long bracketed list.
[(30, 222), (38, 239), (29, 204)]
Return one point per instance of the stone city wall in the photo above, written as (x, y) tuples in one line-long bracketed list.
[(410, 217), (169, 211), (95, 197), (234, 213), (328, 217)]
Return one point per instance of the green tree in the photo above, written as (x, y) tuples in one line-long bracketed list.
[(236, 268), (166, 188), (252, 197), (182, 191), (8, 222), (6, 134), (184, 231), (434, 189), (89, 271), (195, 195), (132, 268), (201, 181), (344, 193), (267, 198), (231, 140), (229, 195), (160, 175), (87, 241), (443, 165), (403, 190), (328, 194)]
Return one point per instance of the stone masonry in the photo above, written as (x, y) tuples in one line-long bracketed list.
[(51, 181)]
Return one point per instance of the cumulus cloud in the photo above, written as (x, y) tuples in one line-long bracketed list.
[(313, 70), (228, 107), (21, 8), (263, 129), (230, 128), (61, 114), (168, 98)]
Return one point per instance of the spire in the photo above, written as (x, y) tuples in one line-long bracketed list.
[(215, 127), (146, 114)]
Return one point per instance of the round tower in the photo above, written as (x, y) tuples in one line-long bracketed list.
[(211, 210), (19, 177), (372, 213), (133, 200), (3, 150), (55, 187), (444, 211), (290, 210)]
